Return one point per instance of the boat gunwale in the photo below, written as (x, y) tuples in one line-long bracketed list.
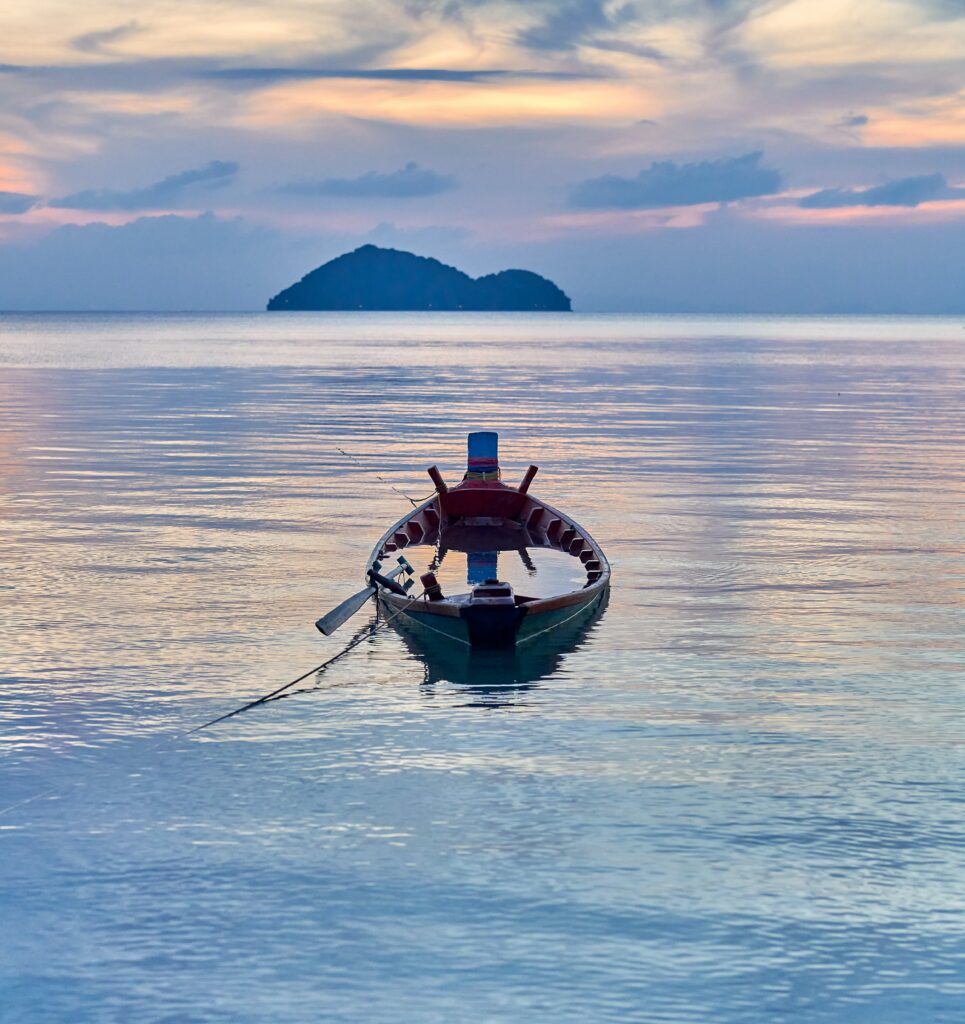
[(537, 606)]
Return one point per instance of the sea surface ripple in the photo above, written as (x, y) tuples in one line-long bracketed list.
[(736, 797)]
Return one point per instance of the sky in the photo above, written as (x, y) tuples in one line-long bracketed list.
[(664, 156)]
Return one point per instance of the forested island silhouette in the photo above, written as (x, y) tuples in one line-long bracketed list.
[(372, 278)]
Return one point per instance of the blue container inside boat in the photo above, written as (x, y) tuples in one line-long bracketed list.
[(483, 451)]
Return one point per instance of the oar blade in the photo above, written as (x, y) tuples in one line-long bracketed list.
[(327, 624)]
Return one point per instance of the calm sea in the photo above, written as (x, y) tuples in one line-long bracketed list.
[(736, 797)]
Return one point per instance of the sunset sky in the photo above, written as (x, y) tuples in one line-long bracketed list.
[(718, 155)]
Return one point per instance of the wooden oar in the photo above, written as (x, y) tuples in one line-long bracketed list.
[(327, 624)]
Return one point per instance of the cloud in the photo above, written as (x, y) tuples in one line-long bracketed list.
[(164, 72), (566, 24), (941, 9), (94, 42), (855, 121), (412, 180), (162, 194), (925, 188), (16, 202), (574, 23), (668, 184), (257, 76), (632, 49)]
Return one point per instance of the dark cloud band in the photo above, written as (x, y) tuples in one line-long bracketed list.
[(160, 73), (16, 202), (668, 184), (96, 42), (162, 194), (411, 181), (261, 75), (925, 188)]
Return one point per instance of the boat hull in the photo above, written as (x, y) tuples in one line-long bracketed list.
[(531, 623), (494, 675)]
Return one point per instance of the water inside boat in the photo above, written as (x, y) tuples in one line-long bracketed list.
[(532, 572)]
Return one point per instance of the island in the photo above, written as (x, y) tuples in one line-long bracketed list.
[(372, 278)]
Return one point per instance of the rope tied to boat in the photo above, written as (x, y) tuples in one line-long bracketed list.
[(347, 649), (412, 501)]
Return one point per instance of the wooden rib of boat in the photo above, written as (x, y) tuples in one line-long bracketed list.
[(483, 514)]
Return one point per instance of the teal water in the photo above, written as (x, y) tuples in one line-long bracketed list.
[(736, 797)]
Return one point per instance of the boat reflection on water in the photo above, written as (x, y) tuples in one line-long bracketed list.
[(498, 677)]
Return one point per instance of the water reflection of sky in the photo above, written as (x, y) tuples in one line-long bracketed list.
[(736, 797)]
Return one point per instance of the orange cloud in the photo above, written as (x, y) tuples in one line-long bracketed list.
[(12, 179), (136, 104), (53, 218), (941, 210), (936, 122), (450, 104)]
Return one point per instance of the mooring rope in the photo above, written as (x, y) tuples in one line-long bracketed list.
[(348, 648), (358, 462), (164, 741)]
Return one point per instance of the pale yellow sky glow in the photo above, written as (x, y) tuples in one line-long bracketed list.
[(814, 34)]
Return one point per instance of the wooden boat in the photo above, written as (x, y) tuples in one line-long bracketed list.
[(481, 516)]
